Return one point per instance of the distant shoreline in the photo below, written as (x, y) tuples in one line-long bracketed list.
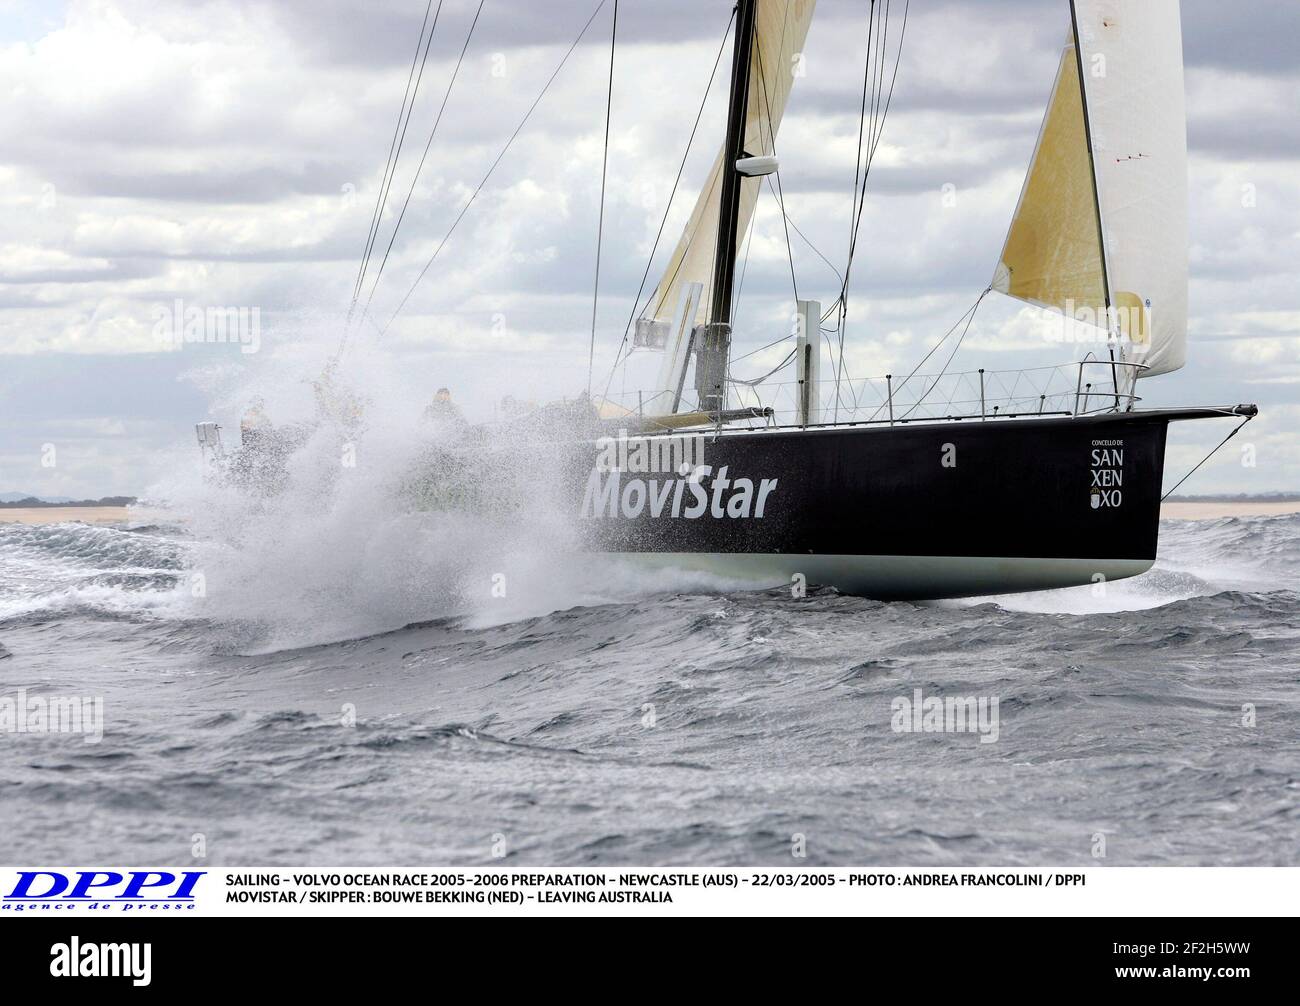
[(35, 503), (1176, 509), (1252, 498), (66, 513)]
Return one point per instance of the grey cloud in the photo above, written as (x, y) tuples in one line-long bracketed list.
[(217, 184), (1247, 36), (966, 111), (115, 271), (384, 34), (1234, 138)]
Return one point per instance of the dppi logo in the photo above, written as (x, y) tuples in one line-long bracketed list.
[(135, 890)]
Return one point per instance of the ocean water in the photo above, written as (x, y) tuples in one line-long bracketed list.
[(284, 688)]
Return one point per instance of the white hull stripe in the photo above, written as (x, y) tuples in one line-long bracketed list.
[(898, 576)]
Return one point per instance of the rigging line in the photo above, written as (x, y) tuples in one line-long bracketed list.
[(770, 142), (942, 372), (874, 104), (356, 286), (882, 52), (779, 193), (830, 343), (420, 167), (755, 352), (898, 61), (879, 129), (780, 50), (862, 111), (759, 380), (1207, 457), (882, 37), (874, 132), (969, 317), (600, 226), (726, 170), (877, 48), (668, 209), (713, 266), (762, 76), (816, 251), (744, 271), (789, 249), (401, 140), (862, 120), (680, 262), (857, 172), (872, 68), (969, 313), (513, 136)]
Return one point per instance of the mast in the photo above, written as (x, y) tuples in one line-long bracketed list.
[(724, 263)]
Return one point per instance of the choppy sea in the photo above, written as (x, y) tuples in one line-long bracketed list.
[(312, 697)]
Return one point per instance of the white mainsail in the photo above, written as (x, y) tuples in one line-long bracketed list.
[(1103, 234), (780, 29)]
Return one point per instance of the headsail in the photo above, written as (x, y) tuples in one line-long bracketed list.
[(1052, 256), (1105, 231), (782, 27)]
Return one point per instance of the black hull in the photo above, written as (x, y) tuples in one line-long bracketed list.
[(925, 511)]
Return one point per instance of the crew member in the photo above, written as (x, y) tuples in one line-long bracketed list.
[(334, 403), (255, 428), (442, 411)]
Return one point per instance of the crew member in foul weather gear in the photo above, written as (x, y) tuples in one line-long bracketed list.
[(255, 428), (258, 464), (335, 404), (442, 411)]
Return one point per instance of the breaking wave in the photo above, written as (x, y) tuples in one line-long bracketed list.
[(1243, 555), (631, 720), (51, 570), (282, 574)]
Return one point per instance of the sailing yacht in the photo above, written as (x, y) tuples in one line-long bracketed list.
[(915, 486), (971, 484)]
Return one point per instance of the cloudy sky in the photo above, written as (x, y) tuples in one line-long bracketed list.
[(228, 154)]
